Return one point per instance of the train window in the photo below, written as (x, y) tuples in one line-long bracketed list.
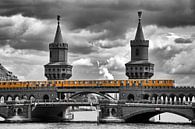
[(153, 81), (146, 81), (110, 82)]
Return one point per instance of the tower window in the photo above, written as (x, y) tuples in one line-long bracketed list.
[(50, 54), (137, 52)]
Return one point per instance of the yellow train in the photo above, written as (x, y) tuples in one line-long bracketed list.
[(87, 83)]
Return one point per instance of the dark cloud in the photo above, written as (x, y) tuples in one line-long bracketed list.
[(159, 56), (193, 35), (182, 40), (82, 49), (174, 59), (115, 17)]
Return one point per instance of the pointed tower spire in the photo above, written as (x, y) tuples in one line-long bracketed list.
[(58, 37), (139, 33)]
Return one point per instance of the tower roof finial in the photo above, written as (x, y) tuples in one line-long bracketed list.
[(139, 33), (139, 15), (58, 18), (58, 37)]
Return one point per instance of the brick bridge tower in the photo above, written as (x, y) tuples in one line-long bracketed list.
[(139, 67), (58, 67)]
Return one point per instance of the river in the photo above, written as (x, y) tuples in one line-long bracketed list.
[(93, 126)]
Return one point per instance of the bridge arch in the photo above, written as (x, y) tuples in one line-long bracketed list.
[(130, 97), (163, 98), (46, 98), (146, 96), (190, 96), (100, 95), (154, 98), (16, 97), (145, 115), (32, 98), (25, 97), (2, 99), (172, 98), (9, 98), (3, 116)]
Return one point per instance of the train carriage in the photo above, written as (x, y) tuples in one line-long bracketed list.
[(87, 83)]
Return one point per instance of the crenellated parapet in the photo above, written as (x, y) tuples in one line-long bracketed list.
[(58, 46)]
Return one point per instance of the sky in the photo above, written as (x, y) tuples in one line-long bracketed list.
[(98, 33)]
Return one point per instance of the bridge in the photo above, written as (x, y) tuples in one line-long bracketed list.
[(137, 102), (124, 110), (139, 97)]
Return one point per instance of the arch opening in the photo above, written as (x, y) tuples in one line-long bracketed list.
[(46, 98), (168, 117), (153, 116), (9, 98), (90, 97), (146, 97), (16, 98), (130, 97), (32, 98), (2, 117), (24, 97), (2, 99)]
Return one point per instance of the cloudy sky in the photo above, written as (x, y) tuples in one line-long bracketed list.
[(98, 33)]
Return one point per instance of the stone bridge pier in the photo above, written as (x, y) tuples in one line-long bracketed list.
[(13, 112)]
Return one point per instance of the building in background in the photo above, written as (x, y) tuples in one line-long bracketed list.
[(6, 75)]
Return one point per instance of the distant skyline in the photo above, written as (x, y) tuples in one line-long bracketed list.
[(98, 33)]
